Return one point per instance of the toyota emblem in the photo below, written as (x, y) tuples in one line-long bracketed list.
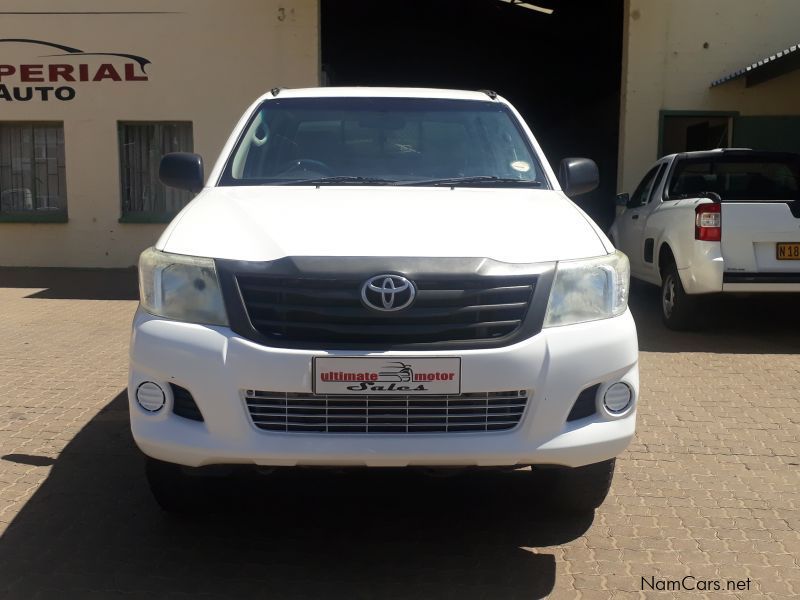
[(387, 292)]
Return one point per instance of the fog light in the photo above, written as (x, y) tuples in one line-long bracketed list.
[(618, 397), (150, 396)]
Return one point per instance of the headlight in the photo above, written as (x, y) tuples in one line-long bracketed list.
[(588, 290), (184, 288)]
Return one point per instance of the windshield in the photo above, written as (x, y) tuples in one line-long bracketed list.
[(750, 176), (401, 141)]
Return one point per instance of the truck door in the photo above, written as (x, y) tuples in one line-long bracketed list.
[(632, 222)]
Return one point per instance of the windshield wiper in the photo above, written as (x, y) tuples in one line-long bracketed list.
[(475, 179), (336, 179)]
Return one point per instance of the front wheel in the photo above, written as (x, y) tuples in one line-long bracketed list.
[(580, 489), (678, 309), (174, 491)]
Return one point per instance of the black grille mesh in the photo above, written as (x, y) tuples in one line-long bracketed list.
[(330, 311), (311, 413)]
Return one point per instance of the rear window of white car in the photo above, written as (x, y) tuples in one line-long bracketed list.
[(396, 140), (745, 177)]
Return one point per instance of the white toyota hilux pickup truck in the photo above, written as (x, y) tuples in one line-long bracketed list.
[(374, 277), (701, 223)]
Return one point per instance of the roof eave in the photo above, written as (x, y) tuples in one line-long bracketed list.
[(778, 64)]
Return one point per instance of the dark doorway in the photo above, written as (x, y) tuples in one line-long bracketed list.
[(562, 71), (683, 131)]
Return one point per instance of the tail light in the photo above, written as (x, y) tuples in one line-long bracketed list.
[(708, 222)]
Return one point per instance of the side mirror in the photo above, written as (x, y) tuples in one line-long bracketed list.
[(578, 176), (182, 170), (623, 199)]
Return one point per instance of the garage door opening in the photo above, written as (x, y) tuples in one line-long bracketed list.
[(562, 70)]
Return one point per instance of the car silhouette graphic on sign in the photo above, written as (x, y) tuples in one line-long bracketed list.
[(397, 372)]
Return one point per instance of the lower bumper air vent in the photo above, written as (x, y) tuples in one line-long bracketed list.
[(184, 405), (585, 405), (310, 413)]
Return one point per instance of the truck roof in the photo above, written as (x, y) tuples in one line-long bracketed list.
[(717, 152), (380, 92)]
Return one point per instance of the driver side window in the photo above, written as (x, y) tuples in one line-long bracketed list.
[(642, 193)]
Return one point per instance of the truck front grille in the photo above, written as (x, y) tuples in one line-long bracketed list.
[(329, 311), (311, 413)]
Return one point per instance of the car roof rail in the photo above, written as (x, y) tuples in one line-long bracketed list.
[(491, 93), (275, 91)]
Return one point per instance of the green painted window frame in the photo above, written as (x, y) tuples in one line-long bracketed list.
[(33, 217), (147, 217)]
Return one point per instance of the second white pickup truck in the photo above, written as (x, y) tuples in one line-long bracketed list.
[(714, 221)]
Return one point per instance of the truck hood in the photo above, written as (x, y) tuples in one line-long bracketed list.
[(267, 223)]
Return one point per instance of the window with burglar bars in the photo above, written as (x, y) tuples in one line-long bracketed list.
[(141, 146), (32, 169)]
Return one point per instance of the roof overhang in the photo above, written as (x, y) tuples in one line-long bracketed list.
[(765, 69), (529, 6)]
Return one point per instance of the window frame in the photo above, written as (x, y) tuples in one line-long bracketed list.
[(128, 216), (659, 182), (55, 216), (649, 178)]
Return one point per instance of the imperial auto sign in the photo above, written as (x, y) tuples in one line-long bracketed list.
[(52, 73)]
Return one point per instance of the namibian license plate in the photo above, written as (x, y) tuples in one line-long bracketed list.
[(406, 376), (787, 251)]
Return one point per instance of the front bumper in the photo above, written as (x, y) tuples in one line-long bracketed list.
[(216, 365)]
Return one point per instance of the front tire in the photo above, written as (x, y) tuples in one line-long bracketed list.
[(173, 490), (581, 489), (678, 309)]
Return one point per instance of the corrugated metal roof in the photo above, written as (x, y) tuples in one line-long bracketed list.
[(771, 66)]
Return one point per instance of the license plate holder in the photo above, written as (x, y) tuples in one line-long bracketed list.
[(413, 376), (787, 251)]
